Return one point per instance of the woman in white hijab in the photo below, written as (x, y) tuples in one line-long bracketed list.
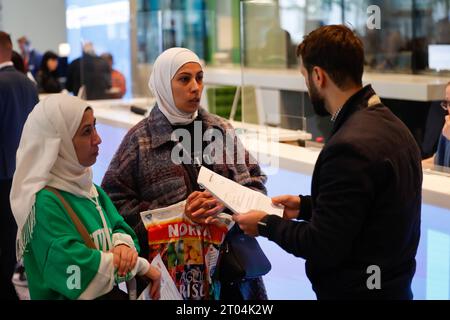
[(146, 173), (59, 144)]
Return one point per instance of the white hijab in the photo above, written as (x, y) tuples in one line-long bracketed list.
[(164, 69), (47, 157)]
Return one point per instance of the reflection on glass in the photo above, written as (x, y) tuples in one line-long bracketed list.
[(225, 101), (167, 24), (98, 27), (408, 29), (434, 169), (414, 34), (267, 44)]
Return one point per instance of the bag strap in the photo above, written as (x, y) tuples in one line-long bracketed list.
[(76, 221)]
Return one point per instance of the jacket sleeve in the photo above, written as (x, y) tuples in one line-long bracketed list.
[(122, 232), (305, 211), (344, 197), (121, 185)]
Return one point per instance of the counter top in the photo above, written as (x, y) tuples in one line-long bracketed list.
[(117, 113), (389, 86)]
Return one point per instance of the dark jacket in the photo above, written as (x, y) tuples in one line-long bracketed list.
[(364, 207), (442, 157), (91, 71), (18, 96), (73, 81), (48, 82)]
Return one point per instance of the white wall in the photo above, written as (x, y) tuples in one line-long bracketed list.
[(42, 21), (1, 15)]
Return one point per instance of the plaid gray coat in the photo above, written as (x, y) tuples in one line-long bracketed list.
[(141, 175)]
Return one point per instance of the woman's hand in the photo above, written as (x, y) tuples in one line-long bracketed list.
[(202, 205), (125, 259), (291, 205), (155, 277)]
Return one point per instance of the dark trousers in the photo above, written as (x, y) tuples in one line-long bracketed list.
[(8, 232), (231, 292), (249, 289)]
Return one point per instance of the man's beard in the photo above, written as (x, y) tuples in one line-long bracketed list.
[(317, 101)]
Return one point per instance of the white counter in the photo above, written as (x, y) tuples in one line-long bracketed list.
[(436, 188), (116, 113), (389, 86)]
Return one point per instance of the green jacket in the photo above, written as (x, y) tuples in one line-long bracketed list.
[(58, 263)]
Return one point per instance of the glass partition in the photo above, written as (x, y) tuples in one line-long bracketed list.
[(135, 33), (246, 45), (265, 47), (99, 37), (411, 36), (434, 169), (166, 24)]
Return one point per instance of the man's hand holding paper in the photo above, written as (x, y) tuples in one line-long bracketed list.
[(248, 222), (234, 196), (291, 205)]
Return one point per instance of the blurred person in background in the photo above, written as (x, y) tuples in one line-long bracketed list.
[(118, 82), (31, 57), (47, 76), (17, 60), (91, 72), (18, 96), (442, 157)]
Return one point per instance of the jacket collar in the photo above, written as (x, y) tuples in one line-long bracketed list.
[(162, 129), (356, 102), (6, 64)]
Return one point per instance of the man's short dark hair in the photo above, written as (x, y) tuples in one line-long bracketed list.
[(5, 41), (337, 50)]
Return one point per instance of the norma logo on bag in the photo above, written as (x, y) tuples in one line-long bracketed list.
[(181, 229)]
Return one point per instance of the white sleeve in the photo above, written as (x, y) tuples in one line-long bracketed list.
[(141, 267), (122, 238), (103, 282)]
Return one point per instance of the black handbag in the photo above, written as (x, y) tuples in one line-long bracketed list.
[(240, 258)]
